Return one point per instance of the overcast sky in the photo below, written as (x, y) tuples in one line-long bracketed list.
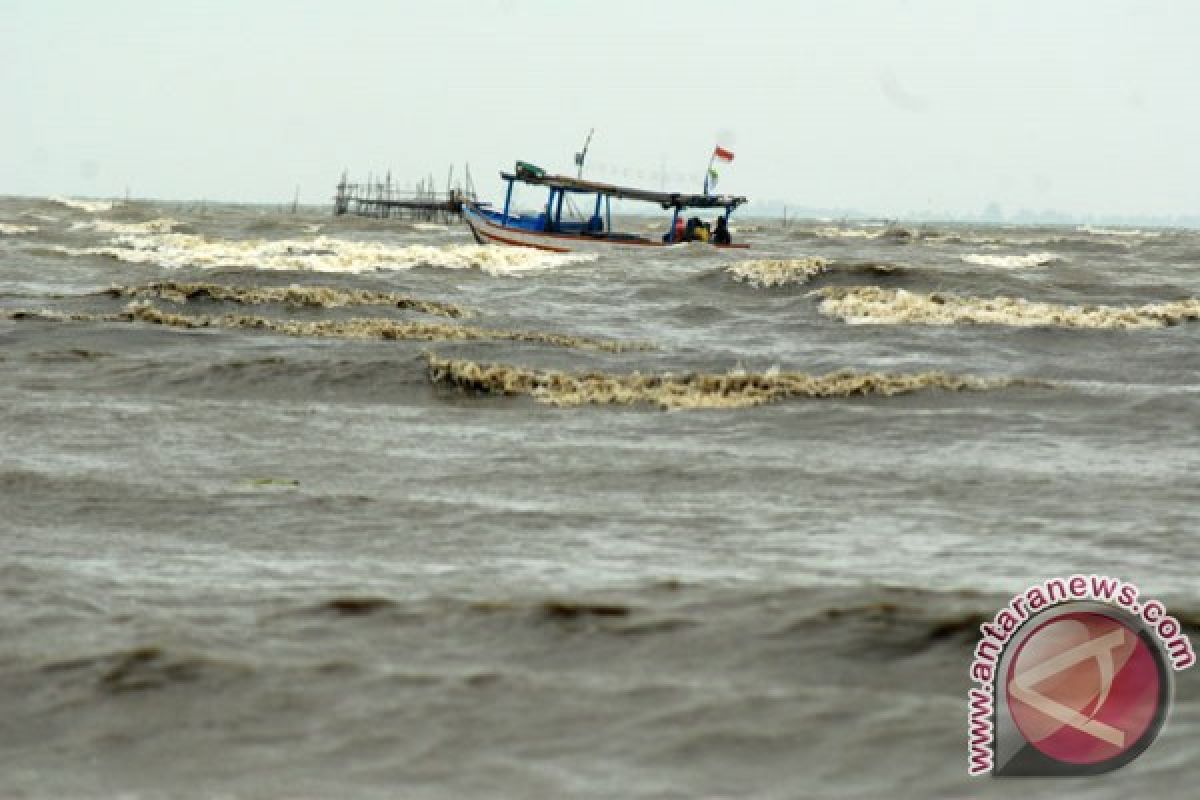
[(886, 106)]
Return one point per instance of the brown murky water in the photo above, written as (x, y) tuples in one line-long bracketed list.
[(303, 507)]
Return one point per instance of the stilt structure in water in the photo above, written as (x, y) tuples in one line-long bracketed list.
[(384, 199)]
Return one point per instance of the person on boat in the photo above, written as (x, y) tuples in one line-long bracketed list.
[(702, 232), (689, 233), (677, 234), (721, 234)]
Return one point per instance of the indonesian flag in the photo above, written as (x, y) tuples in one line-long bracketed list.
[(721, 154)]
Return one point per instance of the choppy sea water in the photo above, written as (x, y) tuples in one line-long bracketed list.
[(295, 506)]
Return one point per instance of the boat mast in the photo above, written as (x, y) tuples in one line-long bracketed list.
[(581, 156)]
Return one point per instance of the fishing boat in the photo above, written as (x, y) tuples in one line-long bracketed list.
[(591, 231)]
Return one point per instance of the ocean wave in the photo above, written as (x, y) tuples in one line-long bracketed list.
[(1131, 232), (160, 225), (772, 273), (379, 376), (295, 296), (1056, 241), (1012, 262), (890, 233), (359, 328), (39, 217), (146, 668), (356, 605), (872, 305), (696, 390), (322, 254), (90, 206), (7, 229), (68, 356), (895, 618), (767, 273)]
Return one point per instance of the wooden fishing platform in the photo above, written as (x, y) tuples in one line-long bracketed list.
[(384, 199)]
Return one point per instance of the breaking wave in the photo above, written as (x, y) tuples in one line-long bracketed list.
[(90, 206), (1012, 262), (361, 328), (771, 273), (872, 305), (160, 225), (295, 296), (7, 229), (767, 273), (1131, 232), (694, 390), (1077, 240), (39, 217), (321, 254), (890, 233)]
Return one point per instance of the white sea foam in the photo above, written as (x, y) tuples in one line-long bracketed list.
[(321, 254), (830, 232), (767, 273), (39, 217), (1012, 262), (868, 231), (871, 305), (429, 226), (90, 206), (1117, 232), (694, 390), (16, 230), (160, 225)]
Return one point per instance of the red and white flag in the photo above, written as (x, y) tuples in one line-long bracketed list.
[(721, 154)]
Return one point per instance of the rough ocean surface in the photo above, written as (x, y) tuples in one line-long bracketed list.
[(303, 507)]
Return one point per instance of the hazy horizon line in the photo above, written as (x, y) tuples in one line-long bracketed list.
[(768, 209)]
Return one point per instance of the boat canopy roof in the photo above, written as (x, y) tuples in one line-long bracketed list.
[(536, 177)]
